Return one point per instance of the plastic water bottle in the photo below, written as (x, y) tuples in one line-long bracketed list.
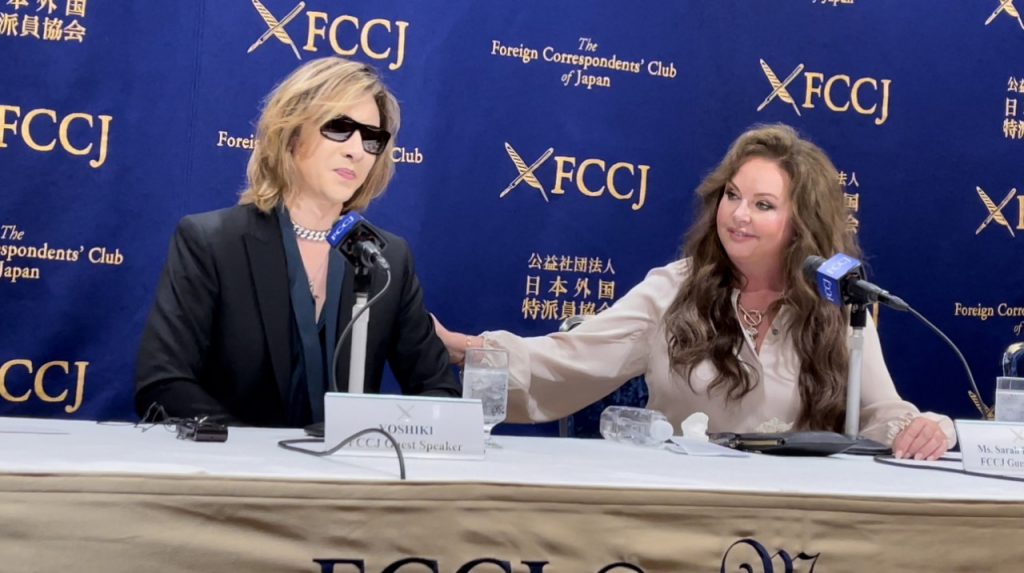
[(638, 426)]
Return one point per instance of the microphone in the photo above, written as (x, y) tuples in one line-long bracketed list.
[(359, 241), (841, 281), (362, 245)]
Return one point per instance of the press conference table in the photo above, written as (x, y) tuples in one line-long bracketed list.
[(81, 496)]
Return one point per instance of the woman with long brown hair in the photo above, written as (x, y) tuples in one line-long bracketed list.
[(732, 328)]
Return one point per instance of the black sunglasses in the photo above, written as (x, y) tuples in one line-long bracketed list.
[(342, 127)]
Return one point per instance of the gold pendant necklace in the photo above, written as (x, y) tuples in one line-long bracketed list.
[(750, 319)]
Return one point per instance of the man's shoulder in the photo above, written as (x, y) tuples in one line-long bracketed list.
[(226, 222), (394, 241)]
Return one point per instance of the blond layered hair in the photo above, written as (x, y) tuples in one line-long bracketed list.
[(701, 323), (313, 93)]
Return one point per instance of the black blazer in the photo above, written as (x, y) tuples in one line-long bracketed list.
[(218, 338)]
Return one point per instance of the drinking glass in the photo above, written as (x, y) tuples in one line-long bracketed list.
[(1009, 399), (485, 377)]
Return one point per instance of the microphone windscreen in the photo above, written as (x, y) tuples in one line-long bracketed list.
[(811, 265)]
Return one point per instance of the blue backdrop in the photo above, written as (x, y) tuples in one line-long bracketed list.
[(118, 118)]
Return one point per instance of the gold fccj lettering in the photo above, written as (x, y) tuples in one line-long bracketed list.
[(372, 33), (840, 93), (592, 177), (42, 129), (42, 382), (564, 171)]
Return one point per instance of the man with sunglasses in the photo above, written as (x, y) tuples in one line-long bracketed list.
[(253, 299)]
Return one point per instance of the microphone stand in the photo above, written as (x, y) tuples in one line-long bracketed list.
[(357, 327), (357, 352), (360, 330), (858, 320)]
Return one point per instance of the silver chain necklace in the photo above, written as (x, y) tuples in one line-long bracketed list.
[(309, 234)]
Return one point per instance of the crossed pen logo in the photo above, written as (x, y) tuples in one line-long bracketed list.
[(779, 88), (1018, 437), (1005, 7), (995, 212), (406, 415), (526, 174), (275, 28)]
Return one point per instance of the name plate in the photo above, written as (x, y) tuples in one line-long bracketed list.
[(991, 447), (424, 427)]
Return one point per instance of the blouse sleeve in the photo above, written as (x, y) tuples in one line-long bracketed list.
[(555, 375), (883, 413)]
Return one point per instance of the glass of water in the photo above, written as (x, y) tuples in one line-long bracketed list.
[(485, 378), (1009, 399)]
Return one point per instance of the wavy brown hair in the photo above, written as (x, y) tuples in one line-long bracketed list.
[(313, 93), (701, 323)]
